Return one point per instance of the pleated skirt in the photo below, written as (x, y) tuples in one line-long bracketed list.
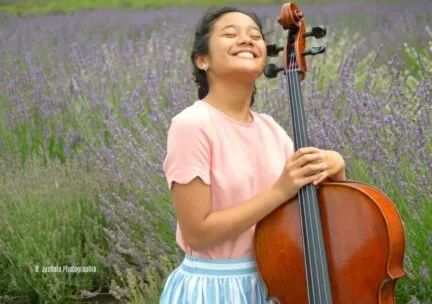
[(204, 281)]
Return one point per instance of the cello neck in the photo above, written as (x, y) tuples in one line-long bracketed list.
[(301, 138), (317, 276)]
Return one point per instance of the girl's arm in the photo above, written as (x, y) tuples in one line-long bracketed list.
[(203, 228)]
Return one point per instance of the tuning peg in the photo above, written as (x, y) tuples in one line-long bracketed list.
[(271, 70), (317, 31), (314, 51), (273, 50)]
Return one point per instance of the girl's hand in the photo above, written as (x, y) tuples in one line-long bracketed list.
[(305, 166), (335, 167)]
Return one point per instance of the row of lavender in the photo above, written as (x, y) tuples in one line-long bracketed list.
[(100, 89)]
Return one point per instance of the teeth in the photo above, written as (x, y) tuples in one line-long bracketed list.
[(245, 55)]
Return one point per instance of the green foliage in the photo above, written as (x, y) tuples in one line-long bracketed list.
[(27, 7), (129, 287), (43, 222), (418, 60)]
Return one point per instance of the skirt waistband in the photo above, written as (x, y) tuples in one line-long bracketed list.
[(220, 267)]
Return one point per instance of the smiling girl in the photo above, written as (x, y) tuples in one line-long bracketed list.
[(228, 167)]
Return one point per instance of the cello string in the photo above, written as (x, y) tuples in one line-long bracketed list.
[(305, 193), (302, 138), (322, 278), (319, 238), (311, 202), (319, 257), (295, 125)]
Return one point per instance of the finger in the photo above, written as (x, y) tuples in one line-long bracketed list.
[(322, 176), (310, 179), (320, 159), (315, 157), (313, 169), (304, 151)]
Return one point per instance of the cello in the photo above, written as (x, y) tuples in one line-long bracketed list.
[(339, 242)]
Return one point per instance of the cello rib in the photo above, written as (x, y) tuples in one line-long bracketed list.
[(395, 229)]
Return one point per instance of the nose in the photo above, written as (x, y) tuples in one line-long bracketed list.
[(245, 39)]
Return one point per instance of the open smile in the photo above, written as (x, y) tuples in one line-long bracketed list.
[(245, 54)]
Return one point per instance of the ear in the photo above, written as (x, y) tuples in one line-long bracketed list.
[(201, 61)]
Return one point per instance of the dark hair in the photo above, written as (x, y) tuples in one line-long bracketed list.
[(201, 42)]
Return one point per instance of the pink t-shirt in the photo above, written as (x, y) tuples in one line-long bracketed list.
[(238, 160)]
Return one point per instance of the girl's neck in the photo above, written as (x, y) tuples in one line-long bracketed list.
[(232, 98)]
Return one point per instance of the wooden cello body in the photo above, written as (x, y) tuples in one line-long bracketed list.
[(364, 244), (339, 242)]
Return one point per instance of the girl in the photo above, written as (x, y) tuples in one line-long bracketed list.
[(228, 166)]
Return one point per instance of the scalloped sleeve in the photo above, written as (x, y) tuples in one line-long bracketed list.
[(188, 152)]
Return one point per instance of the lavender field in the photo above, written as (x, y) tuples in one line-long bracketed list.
[(85, 104)]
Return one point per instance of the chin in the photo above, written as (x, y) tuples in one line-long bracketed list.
[(243, 71), (251, 74)]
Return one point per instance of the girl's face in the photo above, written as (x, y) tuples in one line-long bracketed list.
[(236, 47)]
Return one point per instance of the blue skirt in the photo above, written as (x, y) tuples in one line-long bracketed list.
[(205, 281)]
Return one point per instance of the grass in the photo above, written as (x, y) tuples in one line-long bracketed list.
[(45, 210), (26, 7)]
